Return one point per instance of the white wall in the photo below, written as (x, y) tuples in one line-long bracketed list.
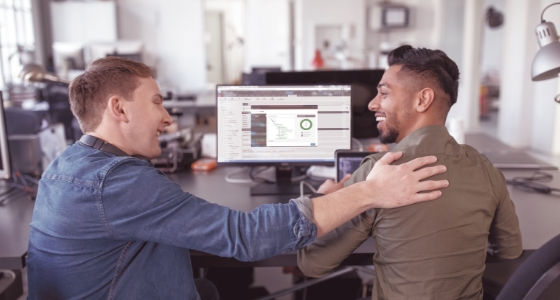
[(467, 107), (452, 30), (515, 120), (172, 31), (310, 13), (545, 131), (425, 30), (492, 42), (80, 22), (234, 19), (529, 117), (267, 34)]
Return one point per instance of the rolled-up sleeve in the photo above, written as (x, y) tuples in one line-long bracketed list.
[(327, 252)]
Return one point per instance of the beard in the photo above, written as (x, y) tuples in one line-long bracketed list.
[(391, 133), (388, 136)]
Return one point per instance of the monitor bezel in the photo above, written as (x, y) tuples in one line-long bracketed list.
[(284, 163)]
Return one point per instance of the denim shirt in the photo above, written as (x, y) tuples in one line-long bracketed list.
[(114, 227)]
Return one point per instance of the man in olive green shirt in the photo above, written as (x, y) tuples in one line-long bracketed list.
[(432, 250)]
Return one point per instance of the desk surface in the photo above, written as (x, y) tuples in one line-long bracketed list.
[(538, 213), (15, 217)]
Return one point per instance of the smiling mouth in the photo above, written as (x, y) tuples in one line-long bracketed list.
[(380, 119)]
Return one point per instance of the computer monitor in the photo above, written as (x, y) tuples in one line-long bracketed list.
[(282, 126), (5, 163), (265, 69), (68, 56), (131, 49), (364, 88), (257, 75)]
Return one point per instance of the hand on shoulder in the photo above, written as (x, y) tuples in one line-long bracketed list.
[(401, 185)]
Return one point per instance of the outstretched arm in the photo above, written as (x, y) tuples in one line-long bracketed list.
[(386, 186)]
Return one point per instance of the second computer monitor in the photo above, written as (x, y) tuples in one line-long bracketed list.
[(282, 125)]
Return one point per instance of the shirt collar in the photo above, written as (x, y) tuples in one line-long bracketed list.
[(417, 136)]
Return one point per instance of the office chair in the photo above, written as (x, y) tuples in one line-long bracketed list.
[(11, 286), (538, 277), (24, 143), (307, 283), (21, 121), (56, 94)]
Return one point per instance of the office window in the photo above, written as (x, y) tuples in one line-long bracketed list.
[(16, 38)]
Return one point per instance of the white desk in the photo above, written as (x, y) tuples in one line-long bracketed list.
[(539, 214)]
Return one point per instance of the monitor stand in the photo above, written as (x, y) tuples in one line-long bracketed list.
[(283, 185)]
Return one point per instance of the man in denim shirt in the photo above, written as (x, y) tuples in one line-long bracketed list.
[(108, 225)]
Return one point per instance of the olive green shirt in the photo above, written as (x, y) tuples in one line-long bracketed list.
[(435, 249)]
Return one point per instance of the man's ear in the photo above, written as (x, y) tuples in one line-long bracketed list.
[(424, 99), (116, 108)]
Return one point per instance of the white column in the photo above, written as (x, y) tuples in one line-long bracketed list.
[(516, 87), (468, 103), (267, 34), (556, 127)]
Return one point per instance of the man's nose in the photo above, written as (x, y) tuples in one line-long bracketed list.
[(167, 120), (374, 103)]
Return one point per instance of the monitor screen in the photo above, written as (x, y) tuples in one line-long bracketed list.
[(347, 161), (282, 125), (364, 88), (5, 166)]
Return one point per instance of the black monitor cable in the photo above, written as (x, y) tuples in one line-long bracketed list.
[(19, 183), (533, 183)]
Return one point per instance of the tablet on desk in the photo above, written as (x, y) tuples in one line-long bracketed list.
[(347, 161)]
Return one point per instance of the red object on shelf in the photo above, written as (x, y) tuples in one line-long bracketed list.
[(318, 61)]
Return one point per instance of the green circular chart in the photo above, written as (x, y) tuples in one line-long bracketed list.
[(305, 124)]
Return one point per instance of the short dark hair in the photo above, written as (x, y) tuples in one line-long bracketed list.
[(105, 77), (433, 65)]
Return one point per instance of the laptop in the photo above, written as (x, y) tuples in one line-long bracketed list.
[(512, 160), (347, 161)]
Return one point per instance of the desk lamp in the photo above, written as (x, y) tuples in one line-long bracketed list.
[(36, 73), (546, 64)]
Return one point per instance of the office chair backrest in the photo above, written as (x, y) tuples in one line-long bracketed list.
[(56, 94), (538, 277), (20, 121)]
